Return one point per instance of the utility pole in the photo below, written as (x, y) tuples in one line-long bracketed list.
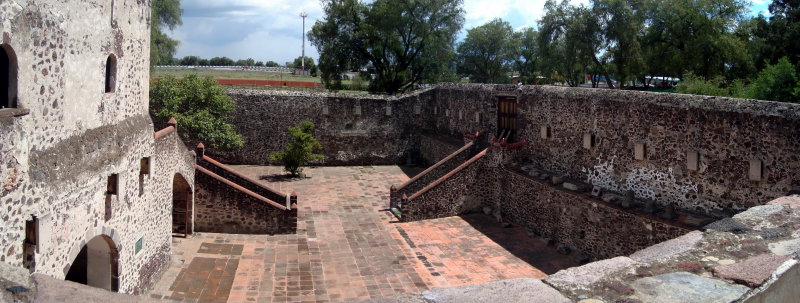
[(303, 58)]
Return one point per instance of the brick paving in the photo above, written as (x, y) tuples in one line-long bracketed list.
[(349, 248)]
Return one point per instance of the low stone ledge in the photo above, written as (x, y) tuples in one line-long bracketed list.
[(582, 277), (686, 287), (668, 248), (513, 290), (758, 212), (790, 201), (752, 272)]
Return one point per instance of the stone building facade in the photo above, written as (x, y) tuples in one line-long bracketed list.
[(87, 191)]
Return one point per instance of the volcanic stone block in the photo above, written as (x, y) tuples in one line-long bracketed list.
[(753, 271), (668, 248), (583, 276), (514, 290), (682, 287)]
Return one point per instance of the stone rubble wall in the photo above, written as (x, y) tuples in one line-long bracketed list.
[(727, 134), (431, 174), (753, 257), (222, 208), (434, 148), (446, 196), (241, 180), (356, 130), (576, 221)]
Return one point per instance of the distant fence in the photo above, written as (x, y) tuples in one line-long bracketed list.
[(250, 82), (290, 70)]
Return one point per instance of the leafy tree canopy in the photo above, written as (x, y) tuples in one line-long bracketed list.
[(165, 14), (402, 42), (200, 106), (486, 54), (310, 66)]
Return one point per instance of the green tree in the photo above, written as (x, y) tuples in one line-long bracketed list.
[(165, 14), (300, 149), (568, 41), (525, 54), (778, 82), (780, 33), (485, 56), (200, 106), (310, 66), (621, 21), (696, 36), (189, 60), (271, 64), (245, 62), (404, 42), (221, 61)]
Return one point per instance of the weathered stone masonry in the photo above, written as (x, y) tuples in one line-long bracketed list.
[(353, 130), (725, 136), (229, 202), (67, 136)]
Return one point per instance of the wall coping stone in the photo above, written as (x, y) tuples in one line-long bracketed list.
[(668, 248), (585, 275)]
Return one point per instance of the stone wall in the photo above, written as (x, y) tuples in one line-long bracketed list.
[(68, 135), (223, 207), (239, 179), (353, 129), (447, 196), (726, 134), (433, 148), (576, 221), (432, 173)]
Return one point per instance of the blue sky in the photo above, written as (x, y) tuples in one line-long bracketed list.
[(271, 29)]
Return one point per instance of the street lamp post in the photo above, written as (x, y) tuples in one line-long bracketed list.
[(303, 55)]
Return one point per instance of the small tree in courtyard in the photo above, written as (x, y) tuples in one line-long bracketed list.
[(300, 149)]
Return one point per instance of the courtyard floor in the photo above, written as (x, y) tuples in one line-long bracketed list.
[(349, 248)]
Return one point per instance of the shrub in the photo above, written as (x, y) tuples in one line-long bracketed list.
[(300, 149), (201, 108), (696, 85), (778, 82)]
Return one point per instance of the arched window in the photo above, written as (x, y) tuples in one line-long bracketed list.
[(8, 77), (111, 73)]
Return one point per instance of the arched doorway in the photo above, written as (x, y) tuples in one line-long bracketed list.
[(97, 264), (181, 207)]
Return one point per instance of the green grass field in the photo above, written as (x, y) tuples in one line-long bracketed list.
[(231, 74)]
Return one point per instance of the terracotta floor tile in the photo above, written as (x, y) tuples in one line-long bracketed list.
[(346, 248)]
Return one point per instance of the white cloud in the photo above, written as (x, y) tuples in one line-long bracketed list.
[(478, 12), (240, 29), (271, 29)]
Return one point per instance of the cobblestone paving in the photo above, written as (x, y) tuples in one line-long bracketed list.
[(349, 248)]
